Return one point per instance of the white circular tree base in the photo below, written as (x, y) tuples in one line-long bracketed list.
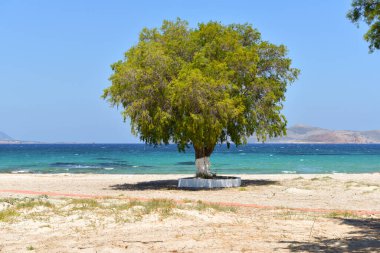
[(217, 182)]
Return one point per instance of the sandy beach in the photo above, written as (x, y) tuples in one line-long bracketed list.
[(147, 213)]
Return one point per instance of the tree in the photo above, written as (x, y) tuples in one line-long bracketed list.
[(211, 84), (369, 12)]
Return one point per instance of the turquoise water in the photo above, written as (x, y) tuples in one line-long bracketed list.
[(143, 159)]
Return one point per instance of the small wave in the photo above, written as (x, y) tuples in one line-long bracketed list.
[(114, 164), (135, 166), (108, 168), (20, 171), (73, 166), (83, 167), (289, 172)]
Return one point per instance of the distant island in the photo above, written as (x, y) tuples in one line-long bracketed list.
[(310, 134), (295, 134), (6, 139)]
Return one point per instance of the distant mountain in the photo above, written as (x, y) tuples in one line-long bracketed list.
[(5, 137), (310, 134)]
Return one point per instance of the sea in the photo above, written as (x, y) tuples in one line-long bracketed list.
[(145, 159)]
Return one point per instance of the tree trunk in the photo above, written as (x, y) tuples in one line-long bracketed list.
[(202, 162)]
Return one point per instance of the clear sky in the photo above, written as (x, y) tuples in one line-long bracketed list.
[(55, 57)]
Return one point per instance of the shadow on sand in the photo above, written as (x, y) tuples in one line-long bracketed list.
[(172, 185), (365, 238)]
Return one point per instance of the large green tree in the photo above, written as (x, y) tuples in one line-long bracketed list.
[(369, 12), (211, 84)]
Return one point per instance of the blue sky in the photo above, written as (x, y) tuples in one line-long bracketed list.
[(55, 57)]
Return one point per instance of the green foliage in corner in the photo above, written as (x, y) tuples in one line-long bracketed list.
[(369, 12)]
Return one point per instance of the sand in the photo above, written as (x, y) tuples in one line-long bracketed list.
[(282, 213)]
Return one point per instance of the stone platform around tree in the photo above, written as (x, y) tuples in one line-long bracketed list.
[(216, 182)]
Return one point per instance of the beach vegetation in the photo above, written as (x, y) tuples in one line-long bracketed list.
[(164, 207), (342, 214), (31, 203), (10, 201), (8, 214), (186, 201), (369, 12), (100, 210), (161, 205), (83, 204), (126, 206), (201, 206), (30, 248), (201, 86)]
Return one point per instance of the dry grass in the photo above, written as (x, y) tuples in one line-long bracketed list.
[(120, 210), (17, 207), (345, 214), (7, 215), (85, 204), (32, 203), (201, 206), (30, 248)]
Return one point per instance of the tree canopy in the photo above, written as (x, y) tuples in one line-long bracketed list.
[(369, 12), (204, 85)]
